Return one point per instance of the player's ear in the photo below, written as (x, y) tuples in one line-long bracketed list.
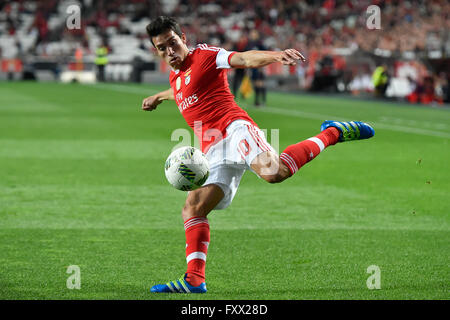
[(183, 38)]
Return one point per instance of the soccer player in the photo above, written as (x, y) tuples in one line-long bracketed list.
[(231, 140)]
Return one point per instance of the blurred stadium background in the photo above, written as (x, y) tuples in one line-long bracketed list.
[(413, 45)]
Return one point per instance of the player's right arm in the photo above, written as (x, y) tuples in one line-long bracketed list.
[(150, 103), (258, 58)]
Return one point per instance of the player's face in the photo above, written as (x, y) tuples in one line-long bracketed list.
[(171, 47)]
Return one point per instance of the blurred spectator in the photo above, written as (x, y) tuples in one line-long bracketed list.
[(257, 74), (380, 80), (326, 75), (79, 65), (362, 82), (425, 93), (301, 73), (442, 86), (41, 25), (101, 61), (239, 73)]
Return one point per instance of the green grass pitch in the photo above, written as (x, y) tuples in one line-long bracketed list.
[(82, 183)]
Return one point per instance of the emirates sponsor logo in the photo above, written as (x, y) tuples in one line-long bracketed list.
[(187, 102)]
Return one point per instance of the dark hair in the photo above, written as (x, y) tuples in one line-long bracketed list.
[(161, 25)]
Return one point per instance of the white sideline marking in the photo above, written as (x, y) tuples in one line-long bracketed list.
[(425, 124), (288, 112), (424, 132), (122, 88)]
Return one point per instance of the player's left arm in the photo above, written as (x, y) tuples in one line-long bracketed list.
[(257, 58), (150, 103)]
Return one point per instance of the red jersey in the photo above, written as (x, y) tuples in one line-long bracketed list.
[(203, 96)]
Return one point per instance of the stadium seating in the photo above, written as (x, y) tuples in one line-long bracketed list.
[(37, 30)]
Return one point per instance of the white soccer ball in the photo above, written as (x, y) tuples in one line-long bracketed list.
[(186, 168)]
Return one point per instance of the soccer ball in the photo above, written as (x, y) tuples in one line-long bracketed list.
[(186, 168)]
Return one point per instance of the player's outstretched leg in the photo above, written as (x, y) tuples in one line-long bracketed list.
[(348, 131), (297, 155), (179, 286)]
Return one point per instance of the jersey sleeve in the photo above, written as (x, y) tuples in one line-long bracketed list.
[(223, 59), (214, 57)]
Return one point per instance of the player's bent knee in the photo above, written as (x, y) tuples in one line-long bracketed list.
[(269, 167), (282, 174)]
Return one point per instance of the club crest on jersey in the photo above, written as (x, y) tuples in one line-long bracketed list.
[(187, 76), (178, 83), (187, 80)]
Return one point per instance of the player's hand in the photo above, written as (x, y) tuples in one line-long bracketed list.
[(150, 103), (290, 57)]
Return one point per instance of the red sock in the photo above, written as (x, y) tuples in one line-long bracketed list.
[(197, 242), (297, 155)]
